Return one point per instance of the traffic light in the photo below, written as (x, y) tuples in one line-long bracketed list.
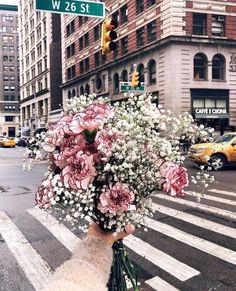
[(108, 35), (135, 79)]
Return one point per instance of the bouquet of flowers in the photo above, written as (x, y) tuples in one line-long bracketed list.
[(107, 160)]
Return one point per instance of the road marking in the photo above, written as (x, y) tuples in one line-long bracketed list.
[(176, 268), (36, 269), (59, 231), (198, 221), (193, 241), (214, 198), (197, 205), (223, 192), (159, 284)]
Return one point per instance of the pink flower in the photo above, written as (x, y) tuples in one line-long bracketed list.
[(117, 198), (44, 194), (105, 138), (56, 133), (176, 178), (91, 118), (79, 172)]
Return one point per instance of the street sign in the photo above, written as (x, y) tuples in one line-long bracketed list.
[(84, 8), (126, 86)]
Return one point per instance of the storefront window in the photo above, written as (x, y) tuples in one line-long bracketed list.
[(209, 103)]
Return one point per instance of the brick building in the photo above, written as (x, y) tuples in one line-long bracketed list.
[(9, 87), (185, 52), (40, 66)]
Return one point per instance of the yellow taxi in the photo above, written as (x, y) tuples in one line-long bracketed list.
[(216, 154), (7, 141)]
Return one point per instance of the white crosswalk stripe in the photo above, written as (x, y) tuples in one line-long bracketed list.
[(37, 270), (228, 193), (217, 199), (197, 205)]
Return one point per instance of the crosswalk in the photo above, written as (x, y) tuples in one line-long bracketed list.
[(185, 240)]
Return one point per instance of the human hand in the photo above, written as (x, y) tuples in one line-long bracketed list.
[(108, 237)]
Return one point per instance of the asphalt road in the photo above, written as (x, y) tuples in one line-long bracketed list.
[(189, 245)]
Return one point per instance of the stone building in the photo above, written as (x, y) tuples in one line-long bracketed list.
[(40, 66), (185, 52), (9, 87)]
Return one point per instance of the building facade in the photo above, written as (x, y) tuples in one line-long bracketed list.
[(185, 52), (9, 71), (40, 66)]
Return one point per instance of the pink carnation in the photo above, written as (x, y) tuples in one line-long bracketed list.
[(105, 138), (176, 178), (44, 194), (117, 198), (91, 118), (79, 172)]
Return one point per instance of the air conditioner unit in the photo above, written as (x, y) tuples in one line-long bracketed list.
[(221, 18)]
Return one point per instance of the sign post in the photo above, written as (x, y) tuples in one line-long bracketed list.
[(84, 8), (126, 86)]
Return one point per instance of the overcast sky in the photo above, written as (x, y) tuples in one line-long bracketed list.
[(9, 2)]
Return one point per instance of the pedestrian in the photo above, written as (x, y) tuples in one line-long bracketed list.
[(89, 267)]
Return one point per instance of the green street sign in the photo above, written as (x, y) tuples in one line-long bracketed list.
[(125, 86), (84, 8)]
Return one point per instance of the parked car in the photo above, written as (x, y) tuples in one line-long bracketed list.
[(217, 154), (7, 141)]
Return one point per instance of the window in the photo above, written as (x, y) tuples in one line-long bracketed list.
[(32, 39), (40, 85), (5, 38), (27, 60), (5, 68), (39, 50), (97, 59), (40, 67), (81, 67), (140, 37), (81, 90), (5, 48), (11, 58), (199, 24), (32, 55), (151, 31), (12, 88), (45, 45), (139, 6), (11, 49), (9, 118), (124, 45), (86, 39), (151, 2), (11, 38), (86, 64), (87, 89), (152, 72), (5, 78), (11, 68), (70, 28), (80, 20), (218, 25), (124, 76), (123, 14), (9, 98), (45, 63), (115, 16), (5, 58), (140, 70), (31, 23), (70, 50), (10, 107), (218, 67), (39, 32), (115, 83), (81, 43), (6, 88), (33, 88), (71, 72), (27, 76), (96, 32), (200, 67), (12, 78)]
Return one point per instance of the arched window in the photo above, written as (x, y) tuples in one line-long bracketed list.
[(124, 76), (69, 94), (73, 93), (87, 89), (200, 67), (140, 69), (218, 67), (152, 72), (116, 83), (81, 90)]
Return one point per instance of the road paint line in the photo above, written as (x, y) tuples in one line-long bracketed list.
[(197, 205), (193, 241), (228, 193), (214, 198), (198, 221), (36, 269), (58, 230), (164, 261), (159, 284)]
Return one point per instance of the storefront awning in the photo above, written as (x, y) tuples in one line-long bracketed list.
[(212, 116)]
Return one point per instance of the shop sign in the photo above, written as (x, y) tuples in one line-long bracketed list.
[(211, 113)]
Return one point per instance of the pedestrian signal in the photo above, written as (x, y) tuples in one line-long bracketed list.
[(108, 35)]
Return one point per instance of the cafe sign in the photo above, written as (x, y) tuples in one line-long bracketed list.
[(211, 113)]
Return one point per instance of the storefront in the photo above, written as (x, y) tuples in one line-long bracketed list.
[(211, 108)]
